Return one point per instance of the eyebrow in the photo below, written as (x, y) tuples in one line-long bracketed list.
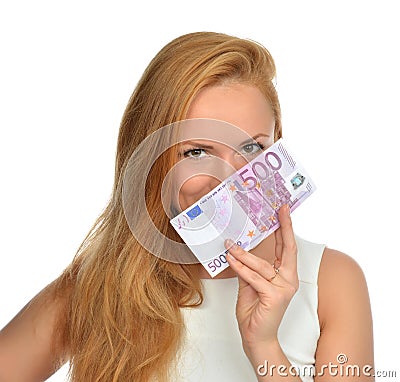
[(197, 144), (205, 146), (250, 140)]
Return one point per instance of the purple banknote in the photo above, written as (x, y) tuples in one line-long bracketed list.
[(244, 207)]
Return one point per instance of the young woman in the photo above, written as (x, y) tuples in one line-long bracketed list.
[(122, 312)]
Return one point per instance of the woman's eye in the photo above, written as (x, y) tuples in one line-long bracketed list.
[(252, 148), (195, 153)]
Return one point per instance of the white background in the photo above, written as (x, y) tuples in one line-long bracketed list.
[(67, 70)]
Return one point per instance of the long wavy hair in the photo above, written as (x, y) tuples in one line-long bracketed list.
[(122, 318)]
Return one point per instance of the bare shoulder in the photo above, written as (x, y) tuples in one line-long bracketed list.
[(32, 344), (338, 264), (341, 285)]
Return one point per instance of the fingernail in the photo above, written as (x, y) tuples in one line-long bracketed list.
[(231, 257), (287, 209), (230, 243)]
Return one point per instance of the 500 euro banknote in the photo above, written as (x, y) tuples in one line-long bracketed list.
[(244, 207)]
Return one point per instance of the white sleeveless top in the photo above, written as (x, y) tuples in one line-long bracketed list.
[(212, 349)]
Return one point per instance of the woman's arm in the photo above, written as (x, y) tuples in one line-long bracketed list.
[(345, 347), (31, 346)]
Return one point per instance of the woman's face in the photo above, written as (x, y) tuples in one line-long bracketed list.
[(209, 156)]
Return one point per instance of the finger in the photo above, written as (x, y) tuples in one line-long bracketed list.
[(249, 277), (278, 248), (289, 247), (262, 267)]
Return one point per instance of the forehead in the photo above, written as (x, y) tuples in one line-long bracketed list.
[(243, 107), (204, 130)]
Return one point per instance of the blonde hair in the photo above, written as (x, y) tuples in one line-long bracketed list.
[(122, 319)]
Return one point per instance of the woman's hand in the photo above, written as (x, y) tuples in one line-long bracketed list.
[(265, 290)]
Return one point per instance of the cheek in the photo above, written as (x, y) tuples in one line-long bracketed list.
[(193, 189)]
